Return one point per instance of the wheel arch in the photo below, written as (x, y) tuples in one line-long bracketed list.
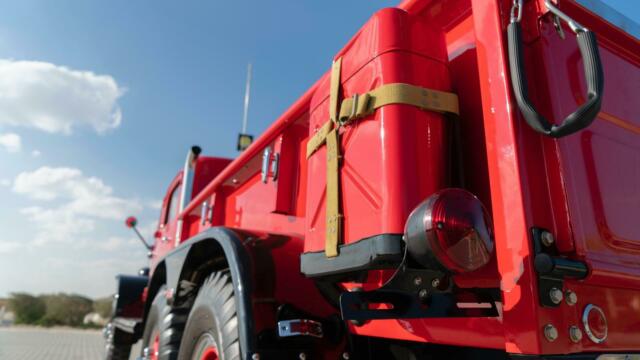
[(189, 264)]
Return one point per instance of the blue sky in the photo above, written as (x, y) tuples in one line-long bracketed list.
[(130, 86)]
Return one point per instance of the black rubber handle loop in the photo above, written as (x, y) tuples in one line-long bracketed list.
[(586, 113)]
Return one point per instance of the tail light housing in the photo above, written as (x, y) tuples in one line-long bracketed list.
[(451, 230)]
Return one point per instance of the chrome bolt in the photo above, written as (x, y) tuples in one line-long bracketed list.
[(550, 332), (570, 297), (423, 293), (345, 356), (547, 238), (575, 334), (435, 283), (417, 281), (302, 356), (555, 295), (255, 356)]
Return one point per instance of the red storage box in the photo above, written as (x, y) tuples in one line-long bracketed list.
[(392, 159)]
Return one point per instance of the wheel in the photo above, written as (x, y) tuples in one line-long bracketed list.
[(118, 343), (211, 332), (163, 329)]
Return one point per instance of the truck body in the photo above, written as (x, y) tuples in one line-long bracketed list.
[(324, 224)]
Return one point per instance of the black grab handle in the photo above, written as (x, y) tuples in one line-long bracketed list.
[(586, 113)]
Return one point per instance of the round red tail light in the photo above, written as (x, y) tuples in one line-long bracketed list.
[(450, 229)]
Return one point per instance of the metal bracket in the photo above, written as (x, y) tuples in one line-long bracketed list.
[(418, 293), (266, 158), (553, 269)]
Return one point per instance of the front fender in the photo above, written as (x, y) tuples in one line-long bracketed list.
[(217, 243)]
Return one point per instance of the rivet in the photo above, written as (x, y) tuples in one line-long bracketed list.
[(423, 293), (575, 334), (550, 332), (570, 297), (417, 281), (345, 356), (555, 295), (302, 356), (435, 283), (547, 238), (255, 356)]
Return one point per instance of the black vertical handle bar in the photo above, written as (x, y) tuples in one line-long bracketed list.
[(586, 113)]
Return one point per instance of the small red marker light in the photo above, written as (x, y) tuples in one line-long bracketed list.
[(131, 222)]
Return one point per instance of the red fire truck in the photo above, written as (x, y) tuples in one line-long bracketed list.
[(463, 183)]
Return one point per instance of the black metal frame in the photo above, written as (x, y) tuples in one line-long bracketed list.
[(417, 293)]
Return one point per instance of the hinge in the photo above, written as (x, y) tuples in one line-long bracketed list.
[(552, 269)]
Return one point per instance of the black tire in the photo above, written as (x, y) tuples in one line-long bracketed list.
[(214, 317), (118, 345), (167, 324)]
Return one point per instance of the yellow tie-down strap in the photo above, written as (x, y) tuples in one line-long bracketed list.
[(361, 105), (357, 107)]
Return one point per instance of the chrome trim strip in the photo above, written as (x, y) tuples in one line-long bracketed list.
[(187, 186)]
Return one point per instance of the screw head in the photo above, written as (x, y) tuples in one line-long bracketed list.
[(423, 293), (555, 295), (435, 283), (345, 356), (417, 281), (570, 297), (302, 356), (575, 334), (255, 356), (550, 332), (547, 238)]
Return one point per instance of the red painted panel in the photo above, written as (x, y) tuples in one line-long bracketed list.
[(407, 145)]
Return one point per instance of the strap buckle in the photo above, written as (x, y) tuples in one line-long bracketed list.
[(359, 108)]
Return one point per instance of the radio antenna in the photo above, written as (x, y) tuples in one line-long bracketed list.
[(247, 94), (244, 139)]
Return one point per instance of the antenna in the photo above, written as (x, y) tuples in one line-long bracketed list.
[(244, 139), (247, 94)]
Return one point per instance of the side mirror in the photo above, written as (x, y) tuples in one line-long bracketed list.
[(131, 222)]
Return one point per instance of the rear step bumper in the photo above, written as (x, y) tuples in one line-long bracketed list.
[(377, 252)]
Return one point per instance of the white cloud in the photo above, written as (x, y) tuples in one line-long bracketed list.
[(57, 99), (115, 243), (10, 141), (155, 204), (8, 246), (76, 202), (36, 153)]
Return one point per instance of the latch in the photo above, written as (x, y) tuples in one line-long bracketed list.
[(553, 269), (300, 327), (270, 163)]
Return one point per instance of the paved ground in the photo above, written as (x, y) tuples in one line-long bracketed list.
[(23, 343), (31, 343)]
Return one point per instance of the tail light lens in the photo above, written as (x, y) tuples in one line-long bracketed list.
[(450, 229)]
